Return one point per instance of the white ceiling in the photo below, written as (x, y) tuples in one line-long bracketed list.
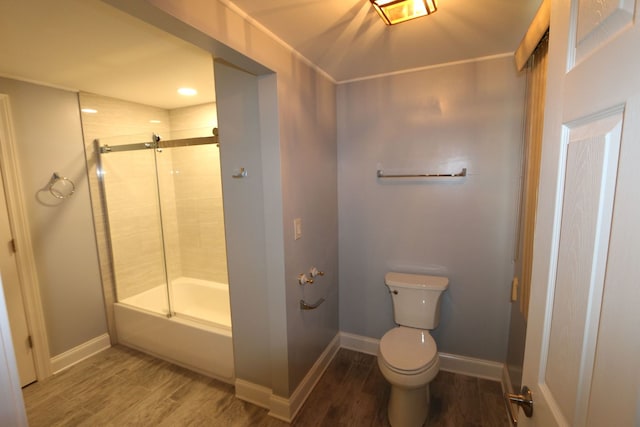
[(90, 46), (348, 40)]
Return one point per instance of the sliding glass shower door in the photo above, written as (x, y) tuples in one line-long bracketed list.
[(164, 207)]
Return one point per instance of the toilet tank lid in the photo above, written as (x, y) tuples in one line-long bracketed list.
[(405, 280)]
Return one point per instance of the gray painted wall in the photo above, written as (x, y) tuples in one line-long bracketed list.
[(307, 105), (49, 139), (239, 127), (435, 120)]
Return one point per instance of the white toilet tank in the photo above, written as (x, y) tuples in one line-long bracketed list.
[(416, 298)]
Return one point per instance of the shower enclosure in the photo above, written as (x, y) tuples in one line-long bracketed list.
[(163, 202)]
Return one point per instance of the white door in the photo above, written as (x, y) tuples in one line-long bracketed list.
[(582, 357), (13, 296)]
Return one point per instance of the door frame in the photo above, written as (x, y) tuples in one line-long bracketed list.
[(12, 410), (25, 259)]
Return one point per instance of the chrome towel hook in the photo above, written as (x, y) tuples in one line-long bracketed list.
[(61, 187), (241, 173)]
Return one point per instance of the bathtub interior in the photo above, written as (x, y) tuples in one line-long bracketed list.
[(194, 299)]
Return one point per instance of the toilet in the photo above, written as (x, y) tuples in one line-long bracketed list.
[(407, 355)]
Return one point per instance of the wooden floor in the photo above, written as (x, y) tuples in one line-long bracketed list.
[(122, 387)]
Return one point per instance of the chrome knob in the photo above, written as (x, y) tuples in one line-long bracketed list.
[(314, 272), (303, 279)]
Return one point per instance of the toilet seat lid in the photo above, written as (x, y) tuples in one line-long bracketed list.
[(408, 349)]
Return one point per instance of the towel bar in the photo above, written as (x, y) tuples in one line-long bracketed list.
[(462, 173)]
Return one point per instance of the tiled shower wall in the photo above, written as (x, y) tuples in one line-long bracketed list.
[(134, 221), (191, 196), (198, 193), (198, 202)]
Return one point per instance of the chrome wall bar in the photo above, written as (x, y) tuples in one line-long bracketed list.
[(460, 174), (186, 142), (305, 306), (172, 143), (126, 147)]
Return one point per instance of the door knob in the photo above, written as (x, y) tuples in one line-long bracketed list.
[(524, 400)]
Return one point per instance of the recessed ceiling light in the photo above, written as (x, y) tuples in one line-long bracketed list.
[(187, 91), (89, 110), (155, 121)]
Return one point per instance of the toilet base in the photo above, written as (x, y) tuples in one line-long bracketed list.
[(408, 407)]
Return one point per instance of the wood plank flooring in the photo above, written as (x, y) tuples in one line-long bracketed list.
[(123, 387)]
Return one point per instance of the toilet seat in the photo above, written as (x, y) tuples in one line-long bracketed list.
[(408, 350)]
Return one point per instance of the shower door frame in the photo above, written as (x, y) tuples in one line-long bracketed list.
[(156, 144)]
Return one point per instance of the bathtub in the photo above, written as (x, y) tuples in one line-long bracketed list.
[(197, 335)]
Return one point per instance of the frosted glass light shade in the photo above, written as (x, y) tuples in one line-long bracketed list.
[(396, 11)]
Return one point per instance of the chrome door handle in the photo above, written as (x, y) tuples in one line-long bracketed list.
[(524, 400)]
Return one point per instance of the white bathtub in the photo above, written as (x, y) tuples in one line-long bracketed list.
[(197, 335)]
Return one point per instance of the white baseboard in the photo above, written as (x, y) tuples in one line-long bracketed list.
[(448, 362), (282, 408), (306, 386), (253, 393), (286, 409), (471, 366), (79, 353), (359, 343)]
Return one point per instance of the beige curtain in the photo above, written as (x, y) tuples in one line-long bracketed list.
[(536, 70)]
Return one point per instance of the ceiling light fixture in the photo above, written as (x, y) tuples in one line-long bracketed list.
[(89, 110), (396, 11), (187, 91)]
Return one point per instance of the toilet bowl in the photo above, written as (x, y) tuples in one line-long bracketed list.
[(407, 354), (408, 360)]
